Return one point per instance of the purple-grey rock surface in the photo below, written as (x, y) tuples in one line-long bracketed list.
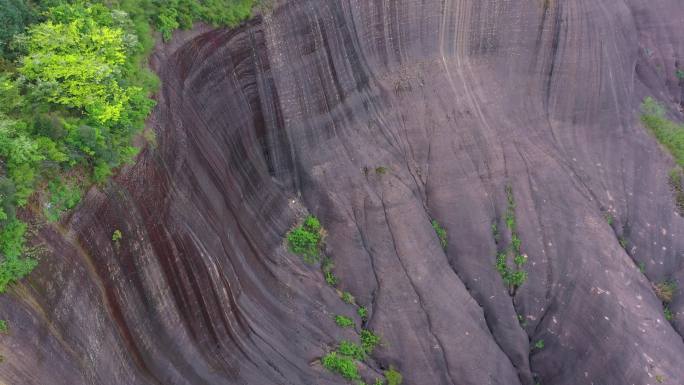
[(293, 112)]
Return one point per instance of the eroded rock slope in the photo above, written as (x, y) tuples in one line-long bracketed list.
[(296, 110)]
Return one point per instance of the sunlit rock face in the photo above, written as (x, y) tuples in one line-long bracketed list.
[(294, 111)]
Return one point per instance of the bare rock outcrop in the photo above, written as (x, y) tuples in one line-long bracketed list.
[(378, 117)]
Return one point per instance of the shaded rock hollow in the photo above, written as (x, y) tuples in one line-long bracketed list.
[(456, 99)]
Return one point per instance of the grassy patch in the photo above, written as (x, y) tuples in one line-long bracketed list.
[(4, 327), (441, 233), (668, 133), (539, 344), (344, 322)]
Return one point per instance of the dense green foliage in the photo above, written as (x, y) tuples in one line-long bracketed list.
[(74, 91), (305, 240), (63, 197), (15, 15)]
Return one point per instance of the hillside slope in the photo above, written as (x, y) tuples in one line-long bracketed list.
[(379, 117)]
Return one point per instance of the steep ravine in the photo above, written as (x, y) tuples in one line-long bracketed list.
[(298, 109)]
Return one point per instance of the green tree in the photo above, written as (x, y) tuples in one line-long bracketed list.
[(76, 59), (15, 15)]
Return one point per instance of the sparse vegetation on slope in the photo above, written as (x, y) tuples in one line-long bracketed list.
[(513, 276), (305, 240)]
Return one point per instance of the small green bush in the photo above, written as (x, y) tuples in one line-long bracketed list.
[(369, 340), (381, 170), (441, 234), (539, 344), (519, 260), (362, 311), (341, 365), (3, 326), (305, 240), (312, 224), (352, 350), (344, 322), (117, 235), (330, 278), (347, 297), (393, 376), (516, 242), (669, 315)]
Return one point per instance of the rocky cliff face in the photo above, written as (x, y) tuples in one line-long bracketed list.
[(295, 110)]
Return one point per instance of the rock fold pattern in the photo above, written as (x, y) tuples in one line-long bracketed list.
[(379, 116)]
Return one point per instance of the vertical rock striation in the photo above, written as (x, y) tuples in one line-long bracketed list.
[(456, 99)]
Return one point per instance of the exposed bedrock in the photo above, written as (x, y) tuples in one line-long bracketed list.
[(295, 110)]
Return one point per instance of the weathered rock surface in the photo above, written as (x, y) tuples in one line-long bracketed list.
[(457, 99)]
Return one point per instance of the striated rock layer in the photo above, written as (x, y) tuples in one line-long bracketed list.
[(295, 110)]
